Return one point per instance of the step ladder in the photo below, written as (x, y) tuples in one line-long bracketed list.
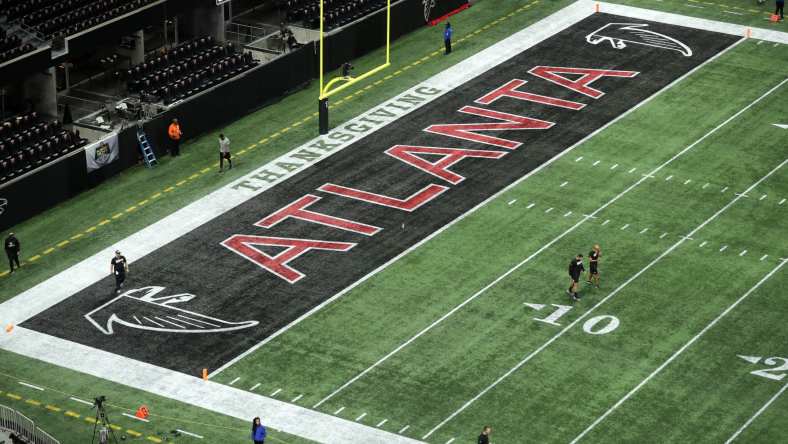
[(148, 156)]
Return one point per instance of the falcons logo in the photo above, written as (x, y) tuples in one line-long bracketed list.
[(143, 309), (428, 5), (621, 34)]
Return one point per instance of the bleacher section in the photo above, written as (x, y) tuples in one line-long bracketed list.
[(12, 46), (337, 12), (186, 70), (61, 18), (27, 142)]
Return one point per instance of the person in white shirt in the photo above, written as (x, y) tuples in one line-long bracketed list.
[(224, 152)]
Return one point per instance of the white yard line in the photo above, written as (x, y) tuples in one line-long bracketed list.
[(556, 239), (128, 415), (81, 401), (194, 435), (757, 414), (603, 301), (679, 352), (35, 387)]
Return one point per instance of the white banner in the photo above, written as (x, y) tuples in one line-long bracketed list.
[(101, 153)]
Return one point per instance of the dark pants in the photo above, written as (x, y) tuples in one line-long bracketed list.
[(175, 148), (119, 278), (13, 258), (447, 42), (780, 10), (223, 156)]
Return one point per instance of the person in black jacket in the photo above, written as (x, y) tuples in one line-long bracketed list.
[(484, 438), (12, 248), (575, 270), (119, 267)]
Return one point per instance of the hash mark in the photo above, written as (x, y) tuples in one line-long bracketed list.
[(668, 178), (724, 247), (254, 386), (724, 189), (764, 257), (606, 222), (579, 159), (450, 441), (360, 417), (512, 201), (704, 186), (381, 423), (531, 205), (762, 197), (568, 214), (625, 227), (235, 380), (563, 184), (596, 163), (632, 170), (402, 430), (276, 392), (781, 202), (643, 230), (743, 252), (687, 181), (340, 410), (663, 235), (614, 167), (297, 397), (702, 244), (548, 210)]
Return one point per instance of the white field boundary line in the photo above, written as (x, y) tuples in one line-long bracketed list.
[(757, 414), (560, 236), (686, 346), (603, 301), (691, 22), (555, 22)]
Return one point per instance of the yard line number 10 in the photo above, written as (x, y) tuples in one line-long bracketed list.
[(598, 325)]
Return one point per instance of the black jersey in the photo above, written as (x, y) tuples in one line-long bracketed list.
[(576, 267), (593, 256), (484, 439), (119, 264)]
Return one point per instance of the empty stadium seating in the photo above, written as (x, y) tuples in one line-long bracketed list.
[(27, 142), (11, 47), (187, 69), (337, 12)]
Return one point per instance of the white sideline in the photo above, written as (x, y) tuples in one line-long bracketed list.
[(689, 343), (603, 301), (757, 414)]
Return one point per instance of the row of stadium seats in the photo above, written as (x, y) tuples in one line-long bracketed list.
[(26, 142), (210, 75), (168, 58), (337, 12), (12, 47)]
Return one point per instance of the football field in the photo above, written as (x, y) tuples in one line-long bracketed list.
[(405, 276)]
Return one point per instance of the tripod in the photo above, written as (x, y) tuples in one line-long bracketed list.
[(105, 431)]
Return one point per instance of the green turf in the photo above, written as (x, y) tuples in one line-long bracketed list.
[(562, 390), (60, 385), (432, 377), (742, 12)]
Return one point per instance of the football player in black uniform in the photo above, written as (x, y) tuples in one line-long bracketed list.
[(119, 267), (575, 270), (593, 266)]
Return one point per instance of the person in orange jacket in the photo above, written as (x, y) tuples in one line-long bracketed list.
[(174, 132)]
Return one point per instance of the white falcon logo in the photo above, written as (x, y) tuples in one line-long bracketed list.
[(620, 34)]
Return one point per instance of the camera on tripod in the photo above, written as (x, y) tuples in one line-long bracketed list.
[(346, 68), (98, 402)]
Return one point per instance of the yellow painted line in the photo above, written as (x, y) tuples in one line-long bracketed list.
[(251, 147), (76, 236), (35, 258), (90, 419), (388, 77), (49, 250), (339, 102), (116, 216), (275, 135), (152, 438), (133, 433), (72, 414), (131, 208), (240, 152), (378, 82), (32, 402), (142, 202), (4, 273), (177, 184), (315, 114), (415, 63), (284, 130), (104, 222), (306, 119), (398, 72), (91, 229), (52, 408), (205, 170), (194, 176), (13, 396), (434, 53), (114, 427), (155, 196), (368, 87), (295, 125), (63, 244), (262, 141)]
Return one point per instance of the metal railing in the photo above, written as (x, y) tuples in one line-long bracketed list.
[(24, 427)]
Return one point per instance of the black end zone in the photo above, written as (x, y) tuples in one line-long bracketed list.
[(203, 303)]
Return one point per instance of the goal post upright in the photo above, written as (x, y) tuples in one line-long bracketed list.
[(325, 89)]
